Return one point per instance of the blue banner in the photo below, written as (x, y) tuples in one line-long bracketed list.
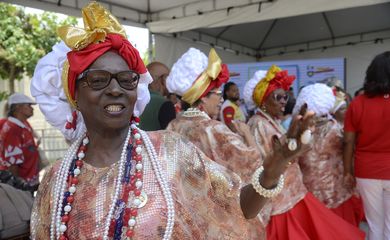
[(306, 71)]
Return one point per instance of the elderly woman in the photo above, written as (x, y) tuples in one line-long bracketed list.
[(322, 167), (367, 146), (116, 181), (294, 214)]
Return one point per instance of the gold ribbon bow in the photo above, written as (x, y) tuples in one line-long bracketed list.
[(262, 85), (98, 22), (201, 84)]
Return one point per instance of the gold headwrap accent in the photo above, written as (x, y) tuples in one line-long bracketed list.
[(201, 84), (64, 78), (262, 85), (98, 22)]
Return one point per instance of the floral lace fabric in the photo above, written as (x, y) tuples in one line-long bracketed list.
[(206, 198), (294, 189), (322, 167)]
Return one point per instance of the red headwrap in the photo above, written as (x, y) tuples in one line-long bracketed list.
[(222, 78), (281, 80), (79, 61)]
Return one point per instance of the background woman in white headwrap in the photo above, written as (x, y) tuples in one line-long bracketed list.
[(322, 166), (236, 151), (295, 213)]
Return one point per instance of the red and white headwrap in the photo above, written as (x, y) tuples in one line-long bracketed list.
[(54, 80), (263, 83)]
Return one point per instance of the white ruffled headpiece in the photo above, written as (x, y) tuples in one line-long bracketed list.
[(319, 98), (250, 87), (186, 70), (47, 89)]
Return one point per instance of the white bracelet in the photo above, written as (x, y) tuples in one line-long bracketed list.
[(267, 193)]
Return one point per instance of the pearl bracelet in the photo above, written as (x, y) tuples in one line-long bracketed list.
[(267, 193)]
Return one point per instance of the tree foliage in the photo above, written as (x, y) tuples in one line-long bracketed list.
[(24, 39)]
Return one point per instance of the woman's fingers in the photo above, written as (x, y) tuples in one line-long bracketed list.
[(280, 147), (277, 145), (303, 110), (308, 121), (277, 163), (233, 126), (294, 127)]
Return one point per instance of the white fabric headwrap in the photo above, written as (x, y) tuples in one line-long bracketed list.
[(186, 70), (319, 98), (250, 87), (47, 89)]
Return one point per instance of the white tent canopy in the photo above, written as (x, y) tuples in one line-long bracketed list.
[(183, 15), (247, 26), (220, 13), (250, 30)]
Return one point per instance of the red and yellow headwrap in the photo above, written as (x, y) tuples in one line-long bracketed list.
[(275, 78), (102, 32), (212, 77)]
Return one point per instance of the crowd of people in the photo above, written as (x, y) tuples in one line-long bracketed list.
[(159, 153)]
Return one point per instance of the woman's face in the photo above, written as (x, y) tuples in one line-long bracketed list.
[(112, 106), (212, 103), (340, 113), (276, 103)]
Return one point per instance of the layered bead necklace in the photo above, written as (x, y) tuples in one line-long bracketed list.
[(121, 218)]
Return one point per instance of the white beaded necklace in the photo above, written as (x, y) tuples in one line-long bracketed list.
[(59, 185), (62, 174), (118, 186), (194, 112)]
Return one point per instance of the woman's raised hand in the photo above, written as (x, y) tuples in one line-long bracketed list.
[(287, 148)]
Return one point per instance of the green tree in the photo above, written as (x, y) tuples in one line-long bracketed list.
[(24, 39)]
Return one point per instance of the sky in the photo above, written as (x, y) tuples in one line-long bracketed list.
[(139, 37)]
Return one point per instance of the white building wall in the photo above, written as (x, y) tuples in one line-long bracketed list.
[(358, 57), (169, 49)]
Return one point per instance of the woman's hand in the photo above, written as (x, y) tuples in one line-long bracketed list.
[(349, 144), (251, 202), (243, 130), (283, 156), (349, 181), (239, 127)]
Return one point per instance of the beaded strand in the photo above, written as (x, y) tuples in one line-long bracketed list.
[(128, 183)]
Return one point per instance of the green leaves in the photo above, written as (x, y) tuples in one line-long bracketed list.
[(24, 39)]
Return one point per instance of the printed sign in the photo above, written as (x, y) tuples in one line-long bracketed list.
[(307, 71)]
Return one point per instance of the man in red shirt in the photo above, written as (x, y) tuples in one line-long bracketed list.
[(18, 150)]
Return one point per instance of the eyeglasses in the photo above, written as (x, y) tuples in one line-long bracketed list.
[(99, 79), (218, 92), (279, 97)]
